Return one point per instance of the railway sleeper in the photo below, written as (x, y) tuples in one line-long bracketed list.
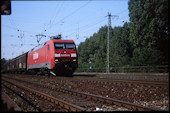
[(52, 100), (94, 98), (89, 97), (118, 103), (67, 107), (84, 96), (48, 99), (61, 104), (102, 100), (71, 93), (108, 101)]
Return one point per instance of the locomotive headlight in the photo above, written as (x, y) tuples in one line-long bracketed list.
[(73, 55), (74, 60), (57, 55), (56, 60)]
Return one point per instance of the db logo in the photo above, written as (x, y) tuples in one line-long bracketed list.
[(35, 55)]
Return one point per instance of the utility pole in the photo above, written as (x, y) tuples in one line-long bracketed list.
[(108, 41)]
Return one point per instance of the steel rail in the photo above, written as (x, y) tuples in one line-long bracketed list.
[(66, 105), (118, 80), (142, 82), (130, 106)]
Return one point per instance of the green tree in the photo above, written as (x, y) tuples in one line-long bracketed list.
[(149, 24), (120, 47), (94, 49)]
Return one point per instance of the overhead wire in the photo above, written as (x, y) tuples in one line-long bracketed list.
[(70, 14), (89, 26), (75, 11), (59, 6), (21, 35)]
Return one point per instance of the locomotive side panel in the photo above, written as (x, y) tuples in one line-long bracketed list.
[(37, 58)]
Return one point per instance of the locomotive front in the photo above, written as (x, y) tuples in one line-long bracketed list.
[(65, 57)]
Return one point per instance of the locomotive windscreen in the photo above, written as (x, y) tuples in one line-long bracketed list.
[(64, 46)]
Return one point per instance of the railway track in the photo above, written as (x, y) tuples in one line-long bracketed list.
[(115, 81), (159, 77), (119, 81), (63, 105), (129, 106)]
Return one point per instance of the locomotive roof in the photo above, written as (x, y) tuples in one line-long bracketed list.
[(63, 41)]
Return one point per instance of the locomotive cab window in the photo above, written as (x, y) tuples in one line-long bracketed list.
[(59, 45), (70, 46), (64, 46)]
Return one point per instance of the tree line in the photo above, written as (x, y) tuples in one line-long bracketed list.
[(144, 41)]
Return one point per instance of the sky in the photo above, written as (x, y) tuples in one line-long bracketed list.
[(74, 20)]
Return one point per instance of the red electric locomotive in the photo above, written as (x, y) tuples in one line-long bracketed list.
[(58, 57)]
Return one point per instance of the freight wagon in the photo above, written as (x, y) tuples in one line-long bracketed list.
[(17, 65)]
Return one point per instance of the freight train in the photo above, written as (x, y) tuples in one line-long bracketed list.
[(55, 56)]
